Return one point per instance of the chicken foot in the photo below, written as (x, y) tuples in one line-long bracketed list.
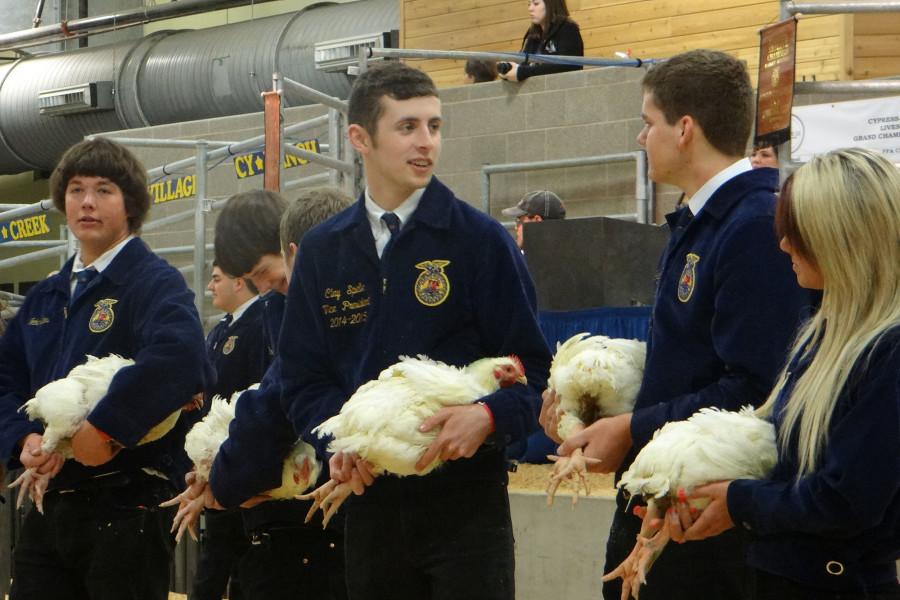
[(568, 468), (328, 497), (651, 540), (190, 504), (32, 484)]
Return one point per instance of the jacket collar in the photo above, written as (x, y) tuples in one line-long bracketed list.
[(118, 271), (434, 210), (735, 189)]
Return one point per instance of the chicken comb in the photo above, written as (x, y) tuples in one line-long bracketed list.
[(518, 362)]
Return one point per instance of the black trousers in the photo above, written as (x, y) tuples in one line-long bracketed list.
[(97, 543), (291, 561), (712, 569), (221, 548), (410, 542), (773, 587)]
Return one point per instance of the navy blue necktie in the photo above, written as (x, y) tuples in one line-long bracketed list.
[(393, 224), (219, 332), (83, 280)]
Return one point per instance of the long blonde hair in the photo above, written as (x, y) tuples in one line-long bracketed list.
[(841, 211)]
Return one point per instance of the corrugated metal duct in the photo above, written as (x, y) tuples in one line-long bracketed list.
[(170, 77)]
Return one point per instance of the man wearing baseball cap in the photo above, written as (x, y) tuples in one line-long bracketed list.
[(535, 207)]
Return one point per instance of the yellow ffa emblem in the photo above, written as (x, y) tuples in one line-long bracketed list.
[(432, 286), (103, 316), (688, 278), (229, 344), (37, 322)]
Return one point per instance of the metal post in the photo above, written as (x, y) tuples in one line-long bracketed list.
[(274, 128), (200, 230), (335, 143), (642, 203), (486, 192)]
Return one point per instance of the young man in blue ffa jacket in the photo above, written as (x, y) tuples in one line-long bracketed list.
[(101, 535), (287, 558), (240, 356), (411, 269), (727, 304)]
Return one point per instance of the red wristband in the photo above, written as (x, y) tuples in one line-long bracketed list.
[(490, 415)]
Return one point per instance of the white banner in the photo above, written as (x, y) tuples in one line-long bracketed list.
[(873, 124)]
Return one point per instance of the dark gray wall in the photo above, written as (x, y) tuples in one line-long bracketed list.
[(592, 262)]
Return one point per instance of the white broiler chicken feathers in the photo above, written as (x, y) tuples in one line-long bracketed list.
[(380, 422), (594, 376), (300, 468), (711, 445), (62, 406)]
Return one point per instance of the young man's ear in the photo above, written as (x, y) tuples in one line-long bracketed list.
[(359, 138), (688, 130)]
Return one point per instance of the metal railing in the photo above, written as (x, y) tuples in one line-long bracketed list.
[(643, 187)]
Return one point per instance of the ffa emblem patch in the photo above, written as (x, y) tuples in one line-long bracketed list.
[(229, 344), (103, 316), (688, 278), (432, 286)]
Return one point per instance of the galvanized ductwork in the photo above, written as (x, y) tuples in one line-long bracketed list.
[(176, 76)]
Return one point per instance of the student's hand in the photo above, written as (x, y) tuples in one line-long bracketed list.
[(512, 74), (351, 469), (33, 457), (91, 448), (549, 418), (607, 440), (463, 430), (686, 524)]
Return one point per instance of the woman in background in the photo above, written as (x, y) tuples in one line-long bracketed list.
[(551, 32), (764, 156), (826, 524)]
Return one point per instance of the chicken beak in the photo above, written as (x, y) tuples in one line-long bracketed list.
[(522, 379)]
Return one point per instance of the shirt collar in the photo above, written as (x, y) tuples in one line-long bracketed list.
[(699, 199), (404, 211), (240, 310), (102, 261)]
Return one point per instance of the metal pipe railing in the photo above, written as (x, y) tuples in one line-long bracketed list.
[(836, 8), (32, 256), (200, 209), (510, 56), (179, 249), (315, 95), (33, 244), (847, 87), (643, 208), (318, 179), (233, 149), (326, 160), (28, 210)]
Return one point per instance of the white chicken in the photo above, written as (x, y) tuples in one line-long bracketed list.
[(711, 445), (380, 422), (593, 376), (63, 405), (202, 442)]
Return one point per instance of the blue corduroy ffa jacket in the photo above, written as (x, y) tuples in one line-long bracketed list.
[(837, 528), (727, 307), (140, 308), (452, 286)]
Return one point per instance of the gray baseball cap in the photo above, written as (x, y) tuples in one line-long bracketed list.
[(540, 203)]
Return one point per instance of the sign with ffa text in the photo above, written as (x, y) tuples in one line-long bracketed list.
[(23, 229), (248, 165), (872, 124)]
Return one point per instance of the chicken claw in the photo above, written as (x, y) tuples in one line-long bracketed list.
[(568, 467), (651, 540), (190, 504), (32, 484), (328, 497)]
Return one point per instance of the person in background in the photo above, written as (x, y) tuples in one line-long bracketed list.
[(824, 524), (237, 349), (101, 534), (725, 311), (480, 71), (551, 32), (535, 207), (764, 156)]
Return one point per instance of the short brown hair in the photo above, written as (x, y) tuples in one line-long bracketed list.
[(390, 78), (247, 230), (101, 157), (713, 88), (312, 206), (481, 71)]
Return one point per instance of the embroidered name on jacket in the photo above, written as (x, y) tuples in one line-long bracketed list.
[(346, 305), (432, 286), (688, 277), (103, 316)]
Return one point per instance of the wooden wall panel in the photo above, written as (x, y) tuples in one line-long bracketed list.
[(827, 48)]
